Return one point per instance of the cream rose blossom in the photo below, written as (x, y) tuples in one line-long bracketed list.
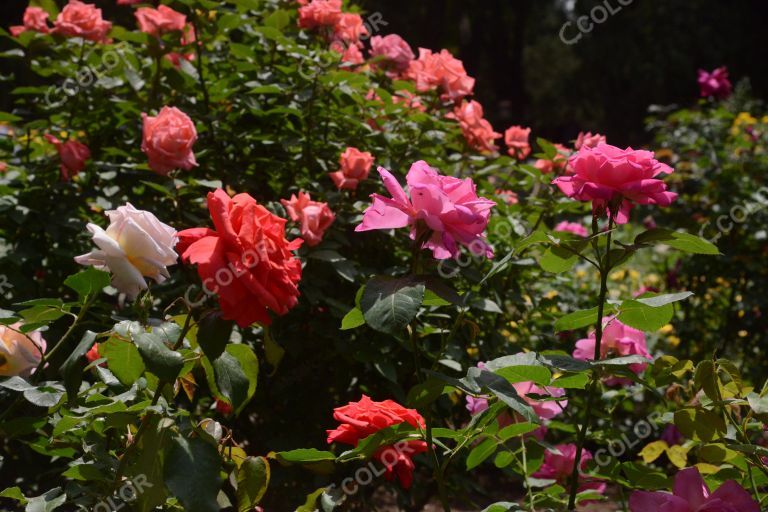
[(19, 353)]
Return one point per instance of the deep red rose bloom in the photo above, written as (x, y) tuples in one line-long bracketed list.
[(246, 261), (366, 417)]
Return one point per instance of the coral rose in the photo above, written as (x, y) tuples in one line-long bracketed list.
[(135, 245), (349, 28), (614, 179), (320, 13), (443, 70), (35, 20), (246, 261), (20, 353), (477, 131), (168, 139), (516, 139), (448, 207), (355, 166), (73, 156), (78, 19), (314, 217), (156, 22)]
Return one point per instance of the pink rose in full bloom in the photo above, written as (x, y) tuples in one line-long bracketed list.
[(35, 20), (157, 22), (615, 179), (588, 139), (448, 207), (618, 340), (320, 13), (477, 130), (349, 28), (691, 494), (78, 19), (395, 55), (354, 168), (168, 139), (559, 467), (73, 156), (516, 139), (20, 353), (572, 227), (557, 164), (443, 70), (715, 83), (315, 217)]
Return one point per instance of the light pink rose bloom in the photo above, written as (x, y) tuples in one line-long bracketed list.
[(349, 28), (615, 179), (476, 405), (315, 217), (355, 166), (715, 83), (447, 206), (544, 409), (168, 139), (35, 20), (618, 340), (82, 20), (443, 70), (135, 245), (587, 139), (572, 227), (394, 53), (156, 22), (477, 130), (20, 353), (73, 156), (691, 494), (559, 467), (516, 139), (320, 13)]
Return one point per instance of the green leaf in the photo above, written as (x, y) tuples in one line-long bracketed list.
[(249, 363), (14, 493), (252, 482), (573, 381), (152, 449), (352, 319), (576, 320), (85, 472), (644, 317), (304, 456), (681, 241), (657, 301), (47, 502), (158, 358), (213, 333), (278, 19), (389, 304), (123, 360), (192, 474), (759, 404), (557, 260), (72, 369), (500, 387), (272, 350), (516, 430), (480, 453), (514, 374), (87, 283)]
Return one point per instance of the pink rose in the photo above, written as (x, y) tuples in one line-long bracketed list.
[(715, 83), (443, 70), (572, 227), (157, 22), (187, 37), (350, 53), (476, 405), (349, 28), (73, 156), (589, 140), (447, 207), (559, 467), (516, 139), (168, 139), (614, 179), (320, 13), (691, 494), (82, 20), (355, 166), (20, 353), (477, 131), (394, 53), (35, 20), (315, 217), (545, 409), (557, 164), (507, 196)]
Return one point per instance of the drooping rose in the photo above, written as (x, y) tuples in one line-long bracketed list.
[(691, 494), (476, 129), (615, 179), (315, 217), (35, 20), (588, 139), (135, 245), (559, 467), (715, 84), (354, 168), (361, 419), (246, 261), (157, 22), (572, 227), (320, 13), (443, 70), (20, 353), (449, 207), (78, 19), (393, 53), (556, 164), (516, 139), (73, 155), (168, 139)]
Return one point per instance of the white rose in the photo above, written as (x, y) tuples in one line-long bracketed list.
[(19, 353), (134, 246)]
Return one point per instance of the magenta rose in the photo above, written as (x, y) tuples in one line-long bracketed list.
[(715, 84), (168, 139)]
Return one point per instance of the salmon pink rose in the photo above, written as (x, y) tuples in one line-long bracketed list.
[(516, 139), (589, 140), (73, 155), (349, 28), (393, 53), (35, 20), (78, 19), (320, 13), (135, 245), (315, 217), (168, 139), (615, 179), (715, 84), (246, 261), (156, 22), (447, 207), (355, 166), (443, 70), (477, 130), (20, 353)]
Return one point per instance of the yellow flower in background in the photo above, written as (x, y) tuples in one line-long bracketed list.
[(764, 120), (473, 352), (551, 294), (673, 341), (742, 120), (666, 329)]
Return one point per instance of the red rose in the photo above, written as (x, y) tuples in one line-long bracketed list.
[(73, 155), (246, 261), (168, 139), (366, 417), (82, 20)]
